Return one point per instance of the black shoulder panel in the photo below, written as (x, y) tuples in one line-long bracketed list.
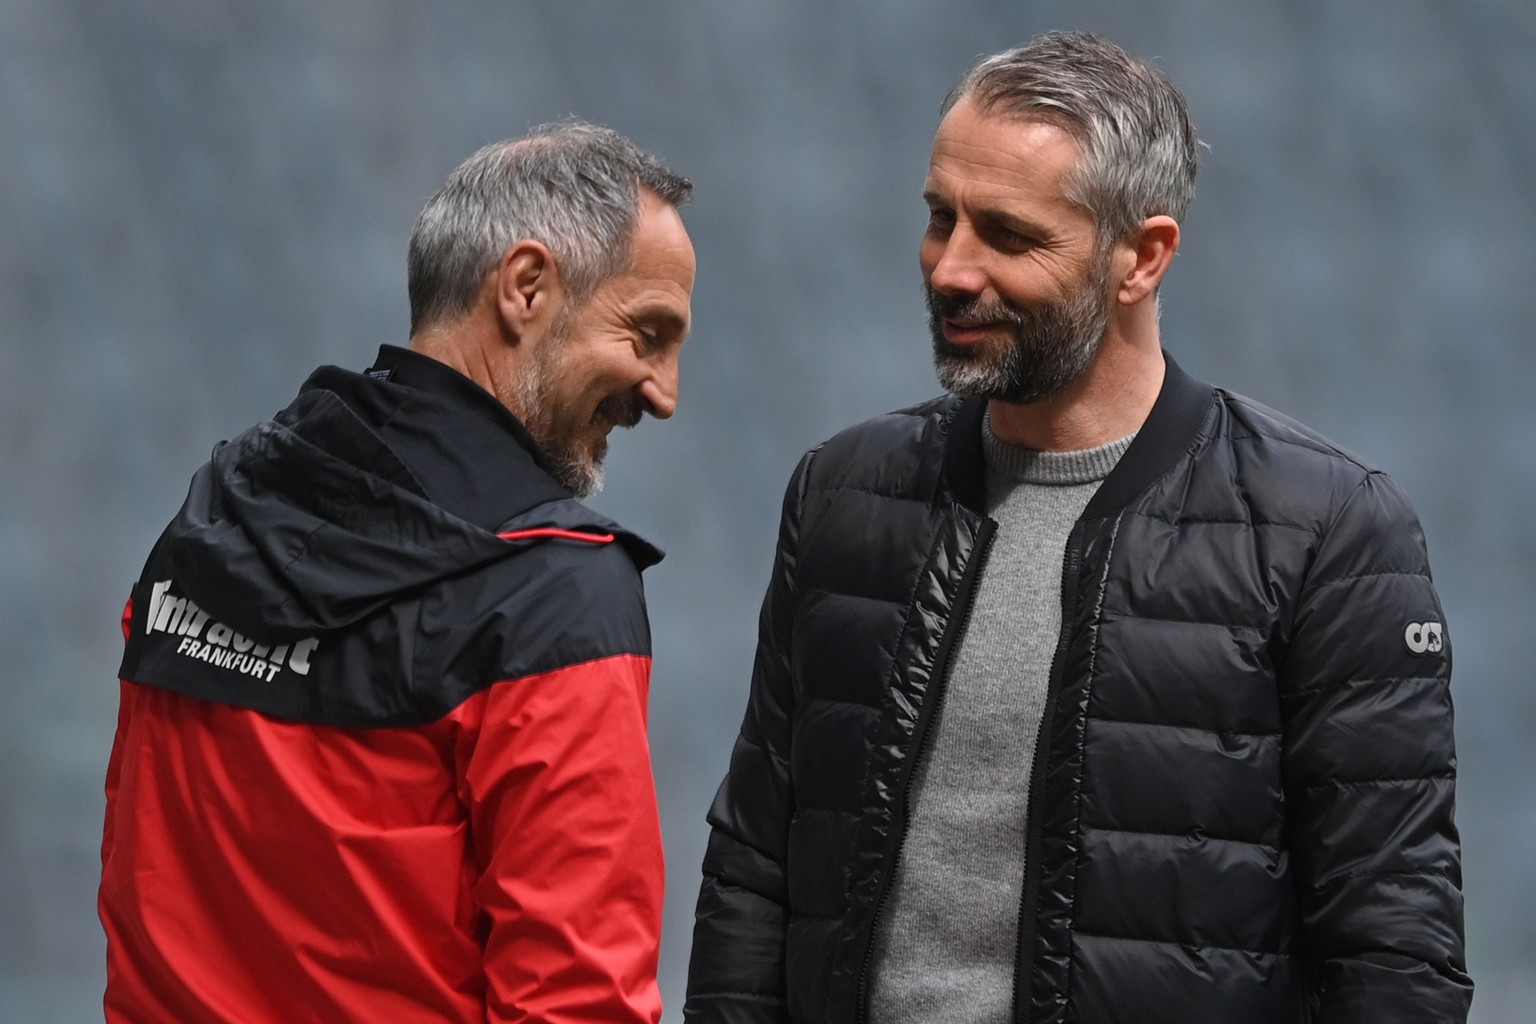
[(551, 603)]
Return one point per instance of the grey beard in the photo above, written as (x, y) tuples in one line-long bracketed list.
[(573, 465), (1048, 348), (529, 397), (582, 477), (575, 470)]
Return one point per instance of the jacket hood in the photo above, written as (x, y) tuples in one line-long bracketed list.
[(311, 521)]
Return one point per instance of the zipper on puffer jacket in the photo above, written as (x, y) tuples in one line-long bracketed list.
[(1029, 897), (958, 621)]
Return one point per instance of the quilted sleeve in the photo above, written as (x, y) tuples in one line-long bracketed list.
[(736, 974), (1370, 773)]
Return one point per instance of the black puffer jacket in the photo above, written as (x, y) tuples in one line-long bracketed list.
[(1241, 807)]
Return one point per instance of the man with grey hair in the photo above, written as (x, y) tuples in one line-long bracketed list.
[(381, 753), (1088, 692)]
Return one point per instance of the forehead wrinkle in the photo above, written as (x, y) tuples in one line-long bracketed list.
[(1023, 147), (1001, 169)]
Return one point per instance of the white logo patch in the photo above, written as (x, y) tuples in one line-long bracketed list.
[(221, 646), (1422, 637)]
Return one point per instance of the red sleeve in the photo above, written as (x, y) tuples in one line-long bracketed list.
[(555, 770), (114, 763)]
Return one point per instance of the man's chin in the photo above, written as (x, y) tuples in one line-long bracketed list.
[(582, 479), (984, 381), (969, 371), (577, 469), (1008, 374), (970, 386), (590, 484)]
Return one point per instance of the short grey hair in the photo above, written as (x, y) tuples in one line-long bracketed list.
[(573, 186), (1128, 118)]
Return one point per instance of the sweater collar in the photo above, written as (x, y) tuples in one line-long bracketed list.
[(1170, 428), (1015, 464)]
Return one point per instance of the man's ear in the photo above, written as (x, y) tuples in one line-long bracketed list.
[(1152, 251), (528, 288)]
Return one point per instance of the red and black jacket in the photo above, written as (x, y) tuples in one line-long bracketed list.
[(381, 753)]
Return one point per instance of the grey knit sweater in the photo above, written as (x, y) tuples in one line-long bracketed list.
[(945, 945)]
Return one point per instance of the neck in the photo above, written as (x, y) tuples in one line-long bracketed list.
[(1109, 401), (458, 346)]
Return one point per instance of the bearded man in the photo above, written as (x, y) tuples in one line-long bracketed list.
[(381, 753), (1089, 692)]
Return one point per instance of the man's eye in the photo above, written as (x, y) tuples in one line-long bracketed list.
[(1015, 241)]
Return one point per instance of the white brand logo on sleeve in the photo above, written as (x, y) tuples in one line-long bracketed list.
[(1423, 636), (219, 645)]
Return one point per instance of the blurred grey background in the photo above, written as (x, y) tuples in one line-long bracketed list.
[(200, 201)]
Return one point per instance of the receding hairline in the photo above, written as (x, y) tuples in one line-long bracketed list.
[(995, 103), (1047, 117)]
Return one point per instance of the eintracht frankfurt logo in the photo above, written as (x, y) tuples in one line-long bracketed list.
[(1423, 637), (202, 638)]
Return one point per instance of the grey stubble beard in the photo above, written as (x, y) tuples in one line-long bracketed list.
[(530, 396), (1046, 348)]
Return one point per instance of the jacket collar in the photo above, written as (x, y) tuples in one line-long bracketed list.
[(462, 449), (1170, 428), (472, 456)]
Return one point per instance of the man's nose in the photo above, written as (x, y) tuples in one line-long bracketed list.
[(658, 392), (958, 265)]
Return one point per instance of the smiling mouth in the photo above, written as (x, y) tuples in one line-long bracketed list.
[(964, 332), (617, 411)]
